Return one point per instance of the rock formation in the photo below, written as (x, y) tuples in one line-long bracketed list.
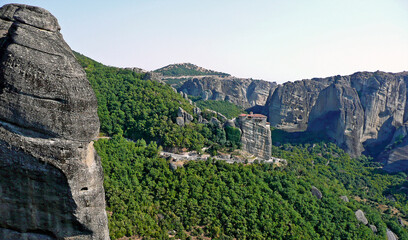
[(316, 192), (51, 179), (395, 156), (242, 92), (290, 104), (183, 117), (344, 198), (361, 112), (373, 228), (361, 217), (255, 135), (391, 235), (339, 114)]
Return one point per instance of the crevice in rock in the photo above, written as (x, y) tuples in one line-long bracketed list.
[(24, 131), (38, 50), (15, 90)]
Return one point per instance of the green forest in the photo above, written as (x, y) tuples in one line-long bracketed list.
[(144, 109), (214, 199), (260, 201), (186, 69), (226, 108)]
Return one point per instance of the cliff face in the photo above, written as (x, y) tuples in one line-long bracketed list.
[(242, 92), (360, 112), (339, 114), (255, 137), (51, 180), (290, 104)]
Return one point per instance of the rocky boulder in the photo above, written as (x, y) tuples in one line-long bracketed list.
[(361, 112), (361, 217), (344, 198), (373, 228), (391, 235), (183, 117), (290, 104), (316, 192), (51, 179)]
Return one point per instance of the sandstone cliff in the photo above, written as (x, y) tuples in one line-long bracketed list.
[(338, 112), (51, 180), (360, 112), (242, 92), (290, 104), (255, 135)]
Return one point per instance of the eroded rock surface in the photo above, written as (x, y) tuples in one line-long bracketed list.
[(361, 217), (316, 192), (255, 135), (339, 114), (361, 112), (290, 104), (183, 117), (242, 92), (51, 179)]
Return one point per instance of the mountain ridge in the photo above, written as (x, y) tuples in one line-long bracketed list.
[(186, 69)]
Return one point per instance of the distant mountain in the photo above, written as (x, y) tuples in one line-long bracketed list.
[(186, 70)]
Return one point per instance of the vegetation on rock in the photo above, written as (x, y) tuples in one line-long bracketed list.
[(186, 69), (226, 108)]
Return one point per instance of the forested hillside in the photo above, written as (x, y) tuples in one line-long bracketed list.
[(186, 69), (143, 109), (225, 201), (214, 199), (227, 109)]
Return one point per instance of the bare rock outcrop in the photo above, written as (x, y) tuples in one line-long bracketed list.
[(361, 217), (339, 114), (183, 117), (383, 98), (391, 235), (290, 104), (255, 135), (395, 156), (360, 112), (316, 192), (242, 92), (51, 179), (373, 228), (344, 198)]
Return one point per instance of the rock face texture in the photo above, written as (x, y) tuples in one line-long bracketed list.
[(255, 135), (242, 92), (360, 112), (395, 156), (316, 192), (339, 114), (361, 217), (183, 117), (391, 235), (51, 179), (290, 104), (344, 198)]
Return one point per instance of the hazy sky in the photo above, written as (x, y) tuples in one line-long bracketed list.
[(265, 39)]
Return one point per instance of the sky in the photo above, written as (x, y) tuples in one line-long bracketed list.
[(273, 40)]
